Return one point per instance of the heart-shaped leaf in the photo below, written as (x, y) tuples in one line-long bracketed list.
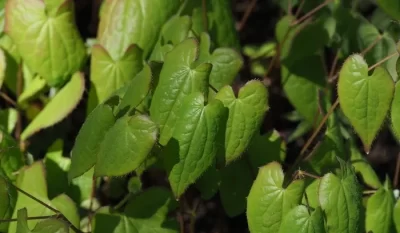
[(193, 147), (123, 23), (380, 206), (300, 220), (364, 100), (340, 199), (245, 116), (48, 41), (268, 201), (179, 77), (125, 146), (59, 107), (87, 143), (108, 74)]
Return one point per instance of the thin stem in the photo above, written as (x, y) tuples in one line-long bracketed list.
[(123, 201), (396, 175), (37, 200), (193, 216), (18, 128), (334, 64), (30, 218), (246, 15), (205, 18), (366, 50), (213, 88), (367, 192), (8, 99), (289, 7), (299, 9), (310, 13), (382, 61)]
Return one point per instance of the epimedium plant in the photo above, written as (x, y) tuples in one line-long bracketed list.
[(161, 95)]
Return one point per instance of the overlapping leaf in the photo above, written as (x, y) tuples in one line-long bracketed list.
[(300, 220), (245, 116), (46, 226), (178, 79), (8, 198), (193, 147), (147, 212), (268, 201), (123, 23), (364, 99), (340, 199), (33, 181), (47, 39), (59, 107)]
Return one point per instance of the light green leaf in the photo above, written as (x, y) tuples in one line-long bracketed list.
[(193, 146), (299, 220), (11, 158), (395, 111), (87, 143), (246, 114), (3, 66), (380, 206), (312, 194), (123, 23), (147, 212), (269, 201), (364, 100), (174, 31), (340, 199), (266, 148), (178, 79), (33, 29), (45, 226), (396, 215), (125, 146), (226, 63), (34, 87), (137, 90), (8, 119), (59, 107), (13, 60), (33, 181), (362, 167), (108, 74), (391, 7), (301, 81), (8, 198), (235, 187)]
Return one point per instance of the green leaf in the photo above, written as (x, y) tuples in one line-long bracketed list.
[(246, 114), (59, 107), (8, 119), (299, 220), (395, 111), (11, 158), (396, 215), (110, 74), (3, 66), (269, 201), (8, 198), (137, 90), (45, 226), (123, 23), (87, 143), (226, 62), (208, 184), (236, 181), (147, 212), (312, 194), (266, 148), (33, 181), (391, 7), (301, 82), (362, 167), (34, 87), (178, 79), (193, 146), (125, 146), (174, 31), (33, 29), (380, 210), (340, 199), (364, 100)]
